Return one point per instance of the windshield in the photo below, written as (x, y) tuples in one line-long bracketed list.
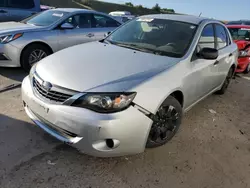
[(45, 18), (240, 33), (158, 36)]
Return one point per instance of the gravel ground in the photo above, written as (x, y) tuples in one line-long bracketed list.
[(210, 150)]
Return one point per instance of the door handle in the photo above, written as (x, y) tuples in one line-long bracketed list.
[(3, 11), (230, 54), (216, 62), (90, 35)]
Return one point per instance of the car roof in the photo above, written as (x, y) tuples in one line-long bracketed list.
[(239, 26), (182, 18), (70, 10)]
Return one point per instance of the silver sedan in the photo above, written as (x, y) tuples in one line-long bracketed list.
[(25, 43), (131, 95)]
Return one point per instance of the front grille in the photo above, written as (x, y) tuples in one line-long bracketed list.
[(51, 95)]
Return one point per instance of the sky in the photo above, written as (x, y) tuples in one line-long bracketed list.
[(217, 9)]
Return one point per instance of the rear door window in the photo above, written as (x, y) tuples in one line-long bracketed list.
[(104, 21), (22, 4), (80, 21)]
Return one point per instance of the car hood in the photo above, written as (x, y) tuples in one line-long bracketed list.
[(99, 67), (10, 27)]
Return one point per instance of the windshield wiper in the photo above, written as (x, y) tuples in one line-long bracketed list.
[(135, 47)]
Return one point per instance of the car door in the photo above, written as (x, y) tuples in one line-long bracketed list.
[(82, 31), (103, 24), (225, 58), (202, 78)]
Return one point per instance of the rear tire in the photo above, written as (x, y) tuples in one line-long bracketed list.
[(247, 69), (32, 54), (226, 82), (166, 123)]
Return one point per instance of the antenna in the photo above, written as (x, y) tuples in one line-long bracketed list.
[(200, 14)]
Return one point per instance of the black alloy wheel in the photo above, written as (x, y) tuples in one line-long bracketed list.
[(166, 123)]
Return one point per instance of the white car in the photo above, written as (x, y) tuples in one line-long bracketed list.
[(127, 92)]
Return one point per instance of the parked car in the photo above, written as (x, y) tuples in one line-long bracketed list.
[(120, 13), (122, 16), (122, 19), (24, 43), (241, 36), (127, 92), (239, 22), (17, 10)]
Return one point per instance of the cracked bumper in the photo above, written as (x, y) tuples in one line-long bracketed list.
[(86, 130)]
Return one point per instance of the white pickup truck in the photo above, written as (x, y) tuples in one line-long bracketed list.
[(16, 10)]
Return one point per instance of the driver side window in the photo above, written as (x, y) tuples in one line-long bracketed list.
[(207, 39)]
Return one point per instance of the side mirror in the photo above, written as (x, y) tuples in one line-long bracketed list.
[(107, 34), (208, 53), (67, 26)]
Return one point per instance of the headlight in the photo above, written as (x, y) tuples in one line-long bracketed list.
[(105, 102), (32, 71), (8, 38)]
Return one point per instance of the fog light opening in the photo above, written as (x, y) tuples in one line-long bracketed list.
[(110, 143), (24, 104)]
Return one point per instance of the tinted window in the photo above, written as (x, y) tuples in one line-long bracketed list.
[(158, 36), (103, 21), (221, 36), (46, 18), (207, 39), (23, 4)]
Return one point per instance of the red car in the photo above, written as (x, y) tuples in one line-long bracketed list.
[(241, 36)]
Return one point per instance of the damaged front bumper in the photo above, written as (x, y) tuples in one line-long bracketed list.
[(101, 135)]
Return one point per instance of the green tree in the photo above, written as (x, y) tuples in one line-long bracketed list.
[(139, 6), (156, 8), (171, 10), (129, 4)]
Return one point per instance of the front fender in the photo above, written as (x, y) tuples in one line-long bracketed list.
[(151, 94)]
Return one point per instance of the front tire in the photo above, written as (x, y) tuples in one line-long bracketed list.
[(32, 54), (166, 123), (226, 82)]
